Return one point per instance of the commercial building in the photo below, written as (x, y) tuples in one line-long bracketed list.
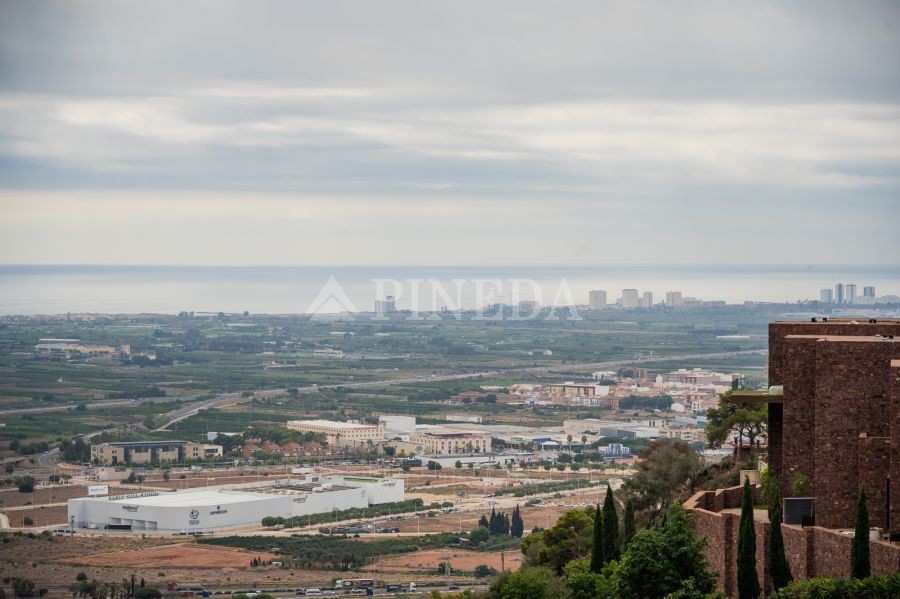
[(850, 293), (630, 298), (597, 299), (219, 508), (869, 291), (647, 299), (442, 441), (340, 433), (673, 299), (826, 295), (152, 452)]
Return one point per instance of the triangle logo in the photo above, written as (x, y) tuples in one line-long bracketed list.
[(331, 300)]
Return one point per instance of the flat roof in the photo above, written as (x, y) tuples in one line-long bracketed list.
[(189, 498), (335, 424), (142, 443)]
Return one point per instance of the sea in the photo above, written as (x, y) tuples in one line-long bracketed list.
[(61, 289)]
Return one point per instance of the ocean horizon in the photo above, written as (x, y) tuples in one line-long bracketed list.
[(59, 289)]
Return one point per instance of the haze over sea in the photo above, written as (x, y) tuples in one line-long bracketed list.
[(57, 289)]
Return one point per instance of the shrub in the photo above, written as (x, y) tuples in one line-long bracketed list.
[(835, 588)]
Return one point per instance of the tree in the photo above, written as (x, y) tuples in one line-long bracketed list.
[(745, 420), (777, 564), (483, 521), (26, 484), (517, 525), (860, 567), (568, 539), (610, 526), (432, 465), (483, 571), (458, 464), (665, 561), (585, 584), (479, 535), (747, 580), (527, 583), (598, 546), (665, 468), (628, 526)]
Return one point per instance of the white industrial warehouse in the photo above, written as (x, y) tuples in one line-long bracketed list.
[(218, 508)]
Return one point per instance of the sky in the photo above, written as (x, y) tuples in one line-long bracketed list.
[(446, 133)]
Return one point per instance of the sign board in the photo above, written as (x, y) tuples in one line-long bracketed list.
[(94, 490)]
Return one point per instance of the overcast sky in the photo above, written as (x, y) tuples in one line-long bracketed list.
[(449, 132)]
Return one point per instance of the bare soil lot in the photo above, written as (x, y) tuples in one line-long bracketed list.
[(459, 560)]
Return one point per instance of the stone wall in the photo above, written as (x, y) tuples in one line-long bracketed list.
[(811, 551)]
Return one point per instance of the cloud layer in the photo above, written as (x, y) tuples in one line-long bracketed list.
[(408, 132)]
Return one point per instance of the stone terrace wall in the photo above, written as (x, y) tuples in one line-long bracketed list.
[(811, 551)]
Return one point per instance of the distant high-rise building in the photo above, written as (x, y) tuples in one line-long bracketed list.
[(826, 295), (386, 306), (673, 299), (647, 299), (839, 293), (868, 291), (850, 293), (597, 299), (630, 298)]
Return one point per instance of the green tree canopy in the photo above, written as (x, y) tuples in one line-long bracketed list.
[(748, 421), (568, 539), (667, 560), (664, 470), (527, 583)]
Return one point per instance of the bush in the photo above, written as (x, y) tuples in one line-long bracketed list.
[(483, 571), (26, 484), (28, 521), (872, 587)]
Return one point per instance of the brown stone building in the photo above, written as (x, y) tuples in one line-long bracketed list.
[(838, 420), (834, 417)]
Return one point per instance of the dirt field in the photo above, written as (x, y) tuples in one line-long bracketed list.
[(459, 560), (181, 555), (41, 516)]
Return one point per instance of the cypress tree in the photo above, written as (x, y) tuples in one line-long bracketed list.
[(610, 526), (517, 526), (493, 522), (628, 524), (778, 566), (748, 583), (483, 521), (860, 567), (597, 556)]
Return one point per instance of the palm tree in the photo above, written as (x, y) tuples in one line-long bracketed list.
[(570, 442)]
